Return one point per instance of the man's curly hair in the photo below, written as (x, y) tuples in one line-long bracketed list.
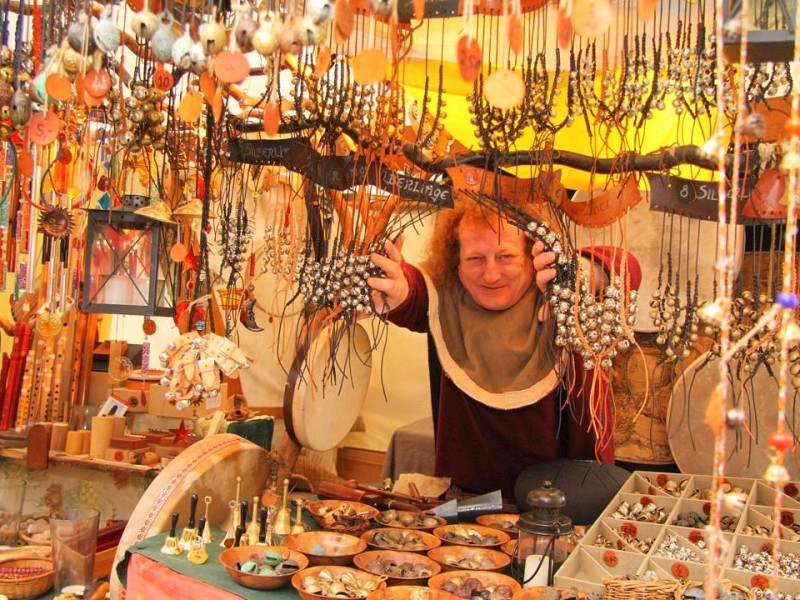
[(444, 246)]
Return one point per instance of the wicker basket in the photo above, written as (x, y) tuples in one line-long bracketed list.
[(729, 585), (25, 578), (622, 588)]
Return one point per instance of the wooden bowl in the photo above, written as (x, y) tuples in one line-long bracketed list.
[(388, 563), (503, 521), (233, 556), (489, 580), (510, 547), (326, 547), (471, 535), (409, 519), (344, 516), (25, 578), (335, 573), (405, 540), (538, 592), (469, 558), (409, 592)]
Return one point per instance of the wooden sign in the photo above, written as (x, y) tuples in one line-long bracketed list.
[(689, 198)]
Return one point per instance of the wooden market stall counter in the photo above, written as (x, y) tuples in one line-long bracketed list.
[(82, 461)]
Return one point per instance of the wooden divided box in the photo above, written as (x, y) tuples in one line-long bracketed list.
[(657, 526)]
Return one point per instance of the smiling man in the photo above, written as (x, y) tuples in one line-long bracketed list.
[(502, 403)]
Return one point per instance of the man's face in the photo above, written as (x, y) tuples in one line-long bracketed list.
[(495, 269)]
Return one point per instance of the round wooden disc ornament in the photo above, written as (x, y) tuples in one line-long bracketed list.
[(564, 29), (514, 33), (370, 66), (504, 89), (178, 252), (343, 21), (231, 67), (320, 409), (470, 58), (591, 18), (323, 61), (43, 128), (97, 83), (58, 87), (191, 107)]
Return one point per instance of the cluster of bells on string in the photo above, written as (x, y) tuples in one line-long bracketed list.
[(16, 106)]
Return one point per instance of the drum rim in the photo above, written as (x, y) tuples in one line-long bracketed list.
[(352, 395)]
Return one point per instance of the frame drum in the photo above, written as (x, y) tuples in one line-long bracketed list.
[(327, 386), (208, 467), (747, 450)]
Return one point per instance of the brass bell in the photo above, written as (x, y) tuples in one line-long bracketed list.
[(137, 115), (6, 56), (21, 109), (5, 112), (7, 74), (140, 92), (155, 117), (5, 131)]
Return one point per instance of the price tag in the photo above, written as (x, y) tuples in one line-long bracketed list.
[(58, 87), (97, 83), (44, 127), (162, 79)]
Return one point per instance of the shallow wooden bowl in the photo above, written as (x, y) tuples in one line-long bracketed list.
[(471, 535), (409, 519), (230, 557), (336, 573), (488, 579), (367, 562), (459, 558), (409, 592), (396, 538), (503, 521), (326, 547)]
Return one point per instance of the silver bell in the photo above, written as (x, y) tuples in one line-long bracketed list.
[(80, 35), (20, 108)]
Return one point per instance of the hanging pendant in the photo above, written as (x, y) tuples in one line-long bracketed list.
[(181, 50), (80, 35), (266, 38), (21, 109), (163, 38), (106, 33)]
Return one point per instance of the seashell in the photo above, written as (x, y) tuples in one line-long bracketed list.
[(71, 61), (80, 35), (383, 8), (144, 23), (325, 575), (163, 39), (266, 39), (320, 11), (21, 109), (198, 59), (290, 41), (106, 33), (212, 37), (181, 50), (244, 31), (307, 32)]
